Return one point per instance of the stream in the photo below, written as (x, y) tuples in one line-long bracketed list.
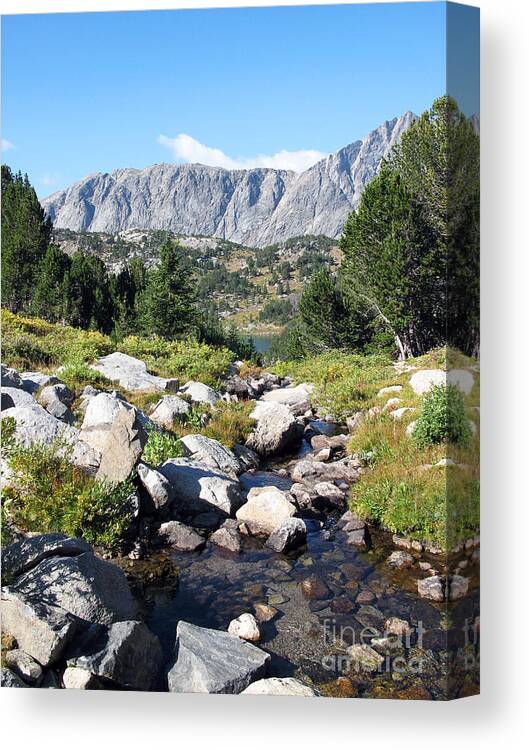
[(352, 595)]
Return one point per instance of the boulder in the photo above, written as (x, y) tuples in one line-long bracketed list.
[(211, 661), (266, 509), (40, 629), (264, 612), (399, 413), (247, 458), (338, 471), (292, 396), (431, 588), (85, 457), (131, 374), (389, 389), (276, 429), (34, 426), (60, 411), (279, 686), (400, 560), (15, 397), (245, 626), (236, 386), (423, 381), (291, 534), (181, 537), (227, 538), (23, 665), (199, 488), (329, 492), (11, 680), (209, 452), (199, 393), (21, 556), (32, 381), (358, 538), (169, 410), (75, 678), (126, 653), (87, 587), (58, 392), (158, 491), (10, 378)]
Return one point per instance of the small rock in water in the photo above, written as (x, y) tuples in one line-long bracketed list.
[(227, 539), (181, 537), (279, 686), (314, 588), (457, 587), (431, 588), (400, 560), (290, 535), (264, 612), (246, 627), (365, 597), (364, 658), (358, 538), (396, 626)]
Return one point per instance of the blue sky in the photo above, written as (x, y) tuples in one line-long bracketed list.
[(93, 92)]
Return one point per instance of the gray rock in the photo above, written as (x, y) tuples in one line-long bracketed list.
[(229, 539), (364, 658), (58, 392), (276, 429), (60, 411), (266, 509), (169, 410), (210, 661), (358, 538), (209, 452), (423, 380), (75, 678), (199, 488), (297, 398), (306, 470), (279, 686), (291, 534), (126, 653), (200, 393), (158, 490), (23, 665), (15, 397), (10, 378), (247, 458), (91, 589), (131, 374), (32, 381), (34, 426), (400, 560), (40, 629), (457, 587), (181, 537), (21, 556), (431, 588), (11, 680), (329, 491), (255, 207)]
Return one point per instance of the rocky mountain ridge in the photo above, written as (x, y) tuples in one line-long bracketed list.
[(254, 207)]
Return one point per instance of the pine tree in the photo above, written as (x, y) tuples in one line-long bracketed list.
[(169, 297), (49, 298)]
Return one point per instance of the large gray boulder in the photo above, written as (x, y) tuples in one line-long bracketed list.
[(168, 410), (199, 393), (11, 680), (131, 374), (15, 397), (297, 398), (247, 458), (291, 534), (40, 629), (21, 556), (158, 491), (87, 587), (319, 471), (209, 452), (32, 381), (114, 428), (211, 661), (10, 378), (58, 392), (179, 536), (423, 381), (199, 488), (276, 429), (35, 426), (266, 509), (126, 653)]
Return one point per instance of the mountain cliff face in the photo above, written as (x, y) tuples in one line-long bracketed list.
[(254, 207)]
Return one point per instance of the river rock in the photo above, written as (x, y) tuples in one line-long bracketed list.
[(431, 588), (25, 554), (181, 537), (75, 678), (397, 626), (276, 429), (169, 410), (247, 458), (199, 488), (290, 396), (315, 588), (245, 626), (211, 661), (131, 374), (15, 397), (40, 629), (227, 538), (370, 617), (400, 560), (266, 509), (291, 534), (457, 587), (35, 426), (318, 471), (264, 612), (279, 686), (10, 378), (329, 492), (23, 665), (199, 393), (11, 680), (364, 658), (358, 538), (126, 653), (209, 452), (158, 490), (423, 381), (85, 586)]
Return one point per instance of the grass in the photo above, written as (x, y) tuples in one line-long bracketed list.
[(48, 494), (229, 423)]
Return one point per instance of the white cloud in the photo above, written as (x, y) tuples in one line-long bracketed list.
[(7, 145), (190, 151), (48, 180)]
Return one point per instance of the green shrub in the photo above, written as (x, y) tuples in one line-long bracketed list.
[(442, 418), (77, 375), (50, 494), (230, 423), (160, 447)]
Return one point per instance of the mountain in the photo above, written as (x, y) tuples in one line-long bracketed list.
[(254, 207)]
